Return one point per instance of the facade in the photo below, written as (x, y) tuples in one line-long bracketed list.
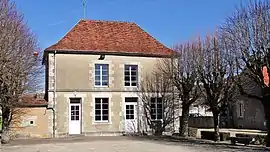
[(93, 76)]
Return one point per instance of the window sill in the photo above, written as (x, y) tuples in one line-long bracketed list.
[(102, 123)]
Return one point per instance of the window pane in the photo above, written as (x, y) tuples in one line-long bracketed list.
[(127, 116), (77, 117), (104, 83), (126, 67), (105, 117), (77, 113), (105, 112), (105, 106), (159, 116), (72, 108), (97, 83), (133, 84), (98, 106), (98, 112), (131, 116), (133, 78), (105, 100), (97, 66), (77, 107), (134, 67), (105, 73), (159, 106), (127, 111), (97, 118), (105, 67), (159, 100), (127, 78), (72, 117), (127, 84), (153, 116), (98, 100), (104, 78), (133, 73), (126, 73), (97, 78)]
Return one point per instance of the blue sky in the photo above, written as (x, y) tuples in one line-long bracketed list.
[(169, 21)]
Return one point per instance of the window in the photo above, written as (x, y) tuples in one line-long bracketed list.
[(241, 109), (156, 109), (101, 74), (131, 75), (102, 109)]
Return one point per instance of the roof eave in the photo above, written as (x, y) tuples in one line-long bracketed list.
[(107, 53)]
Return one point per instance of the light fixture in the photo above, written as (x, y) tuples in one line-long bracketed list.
[(101, 57)]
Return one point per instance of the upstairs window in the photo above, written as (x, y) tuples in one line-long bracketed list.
[(101, 75), (131, 75)]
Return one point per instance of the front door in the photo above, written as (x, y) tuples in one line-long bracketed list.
[(75, 116), (131, 117)]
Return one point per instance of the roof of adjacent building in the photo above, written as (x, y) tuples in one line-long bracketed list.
[(32, 100), (110, 37)]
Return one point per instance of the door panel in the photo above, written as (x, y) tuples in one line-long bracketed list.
[(130, 117), (74, 118)]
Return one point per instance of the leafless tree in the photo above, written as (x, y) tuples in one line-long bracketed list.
[(181, 69), (247, 34), (215, 70), (19, 71), (158, 103)]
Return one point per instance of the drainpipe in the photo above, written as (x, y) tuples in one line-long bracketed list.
[(54, 93), (54, 96)]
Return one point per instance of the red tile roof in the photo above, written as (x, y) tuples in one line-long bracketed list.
[(32, 100), (110, 37)]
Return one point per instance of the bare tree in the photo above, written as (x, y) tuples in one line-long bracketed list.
[(158, 103), (181, 69), (247, 34), (215, 70), (19, 71)]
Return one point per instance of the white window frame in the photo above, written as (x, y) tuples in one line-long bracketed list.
[(129, 70), (100, 74), (156, 103), (101, 108)]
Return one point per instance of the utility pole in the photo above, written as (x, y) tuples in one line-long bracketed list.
[(84, 9)]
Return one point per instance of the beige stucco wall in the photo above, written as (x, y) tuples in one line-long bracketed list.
[(77, 71), (75, 78), (21, 126)]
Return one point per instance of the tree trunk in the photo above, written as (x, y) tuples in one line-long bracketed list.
[(184, 120), (5, 137), (216, 126), (266, 105)]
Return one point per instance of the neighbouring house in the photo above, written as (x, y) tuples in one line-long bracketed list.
[(30, 118), (244, 112), (93, 74)]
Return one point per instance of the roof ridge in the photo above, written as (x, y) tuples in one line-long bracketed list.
[(108, 21)]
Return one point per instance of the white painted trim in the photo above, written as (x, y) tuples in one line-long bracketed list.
[(101, 95)]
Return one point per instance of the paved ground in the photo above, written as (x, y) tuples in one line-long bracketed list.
[(118, 144)]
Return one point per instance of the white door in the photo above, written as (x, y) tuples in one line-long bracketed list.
[(131, 117), (75, 116)]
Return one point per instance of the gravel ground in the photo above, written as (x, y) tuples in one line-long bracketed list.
[(118, 144)]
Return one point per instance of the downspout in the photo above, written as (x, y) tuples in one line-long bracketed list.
[(54, 96), (54, 93)]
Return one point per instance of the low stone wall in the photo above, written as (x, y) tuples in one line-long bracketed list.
[(201, 122)]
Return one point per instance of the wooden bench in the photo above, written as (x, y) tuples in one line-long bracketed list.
[(242, 140)]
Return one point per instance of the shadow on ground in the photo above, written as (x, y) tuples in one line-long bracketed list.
[(198, 143)]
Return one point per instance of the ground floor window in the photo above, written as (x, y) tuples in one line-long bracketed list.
[(102, 109), (156, 108)]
